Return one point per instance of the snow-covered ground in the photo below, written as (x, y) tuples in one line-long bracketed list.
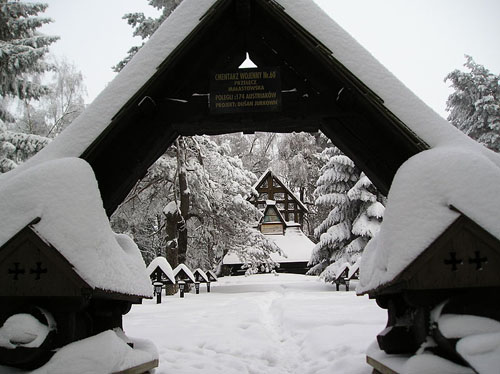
[(260, 324)]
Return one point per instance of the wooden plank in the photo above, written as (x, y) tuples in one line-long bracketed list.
[(140, 369), (379, 367)]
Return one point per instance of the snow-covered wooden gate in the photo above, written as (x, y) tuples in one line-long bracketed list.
[(326, 81)]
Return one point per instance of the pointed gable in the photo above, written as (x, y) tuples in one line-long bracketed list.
[(272, 221), (270, 188), (328, 83)]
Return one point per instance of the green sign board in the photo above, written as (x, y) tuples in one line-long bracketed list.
[(245, 90)]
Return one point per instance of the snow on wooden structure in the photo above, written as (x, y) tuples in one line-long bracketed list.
[(65, 267), (272, 222), (160, 270), (211, 276), (337, 273), (200, 276), (442, 211), (327, 82), (270, 188), (295, 247), (354, 270), (182, 273)]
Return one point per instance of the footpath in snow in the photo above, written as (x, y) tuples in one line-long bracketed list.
[(260, 324)]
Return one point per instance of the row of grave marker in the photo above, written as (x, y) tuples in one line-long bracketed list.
[(162, 274), (345, 273)]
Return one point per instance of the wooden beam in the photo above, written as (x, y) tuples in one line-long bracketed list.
[(378, 367), (140, 369)]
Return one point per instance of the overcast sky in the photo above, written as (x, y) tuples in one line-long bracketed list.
[(420, 41)]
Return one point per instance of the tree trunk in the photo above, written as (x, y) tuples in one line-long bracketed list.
[(171, 249), (184, 196)]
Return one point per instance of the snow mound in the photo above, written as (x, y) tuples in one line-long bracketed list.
[(24, 330), (482, 351), (106, 352)]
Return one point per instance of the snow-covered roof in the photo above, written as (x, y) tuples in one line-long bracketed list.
[(406, 223), (354, 268), (201, 273), (212, 275), (295, 246), (163, 264), (74, 140), (415, 114), (418, 208), (64, 194), (183, 267)]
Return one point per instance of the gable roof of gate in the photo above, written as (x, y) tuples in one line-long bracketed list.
[(128, 126)]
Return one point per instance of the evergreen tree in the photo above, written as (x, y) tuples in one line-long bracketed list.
[(338, 176), (146, 26), (17, 147), (355, 213), (474, 106), (22, 50), (368, 220)]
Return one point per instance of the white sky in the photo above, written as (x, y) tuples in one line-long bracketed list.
[(420, 41)]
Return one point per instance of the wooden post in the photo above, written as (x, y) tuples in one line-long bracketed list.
[(181, 288), (158, 287)]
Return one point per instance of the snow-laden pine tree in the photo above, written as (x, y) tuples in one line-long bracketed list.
[(368, 220), (145, 26), (22, 52), (338, 176), (16, 147), (355, 216), (474, 106)]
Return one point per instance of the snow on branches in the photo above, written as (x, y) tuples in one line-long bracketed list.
[(17, 147), (22, 49), (354, 214), (474, 107)]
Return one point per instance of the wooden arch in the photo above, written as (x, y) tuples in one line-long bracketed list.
[(318, 93)]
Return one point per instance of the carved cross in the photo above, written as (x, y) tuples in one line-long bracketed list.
[(478, 260), (38, 271), (16, 271), (453, 261)]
